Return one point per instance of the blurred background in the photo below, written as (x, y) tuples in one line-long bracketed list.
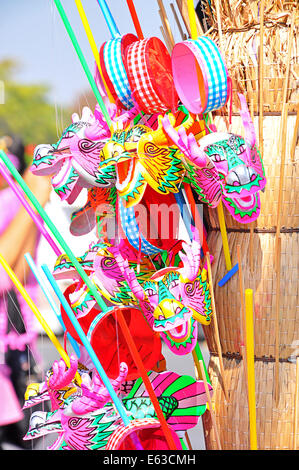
[(42, 84)]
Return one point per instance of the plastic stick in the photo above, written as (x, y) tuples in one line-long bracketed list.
[(50, 299), (138, 361), (135, 19), (250, 367), (277, 321), (53, 229), (35, 217), (118, 404), (93, 45), (109, 19), (81, 57), (192, 19), (35, 310)]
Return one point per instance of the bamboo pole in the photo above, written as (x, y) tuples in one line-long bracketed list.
[(210, 405), (251, 235), (188, 441), (281, 181), (165, 37), (296, 405), (295, 135), (219, 349), (165, 22), (286, 78), (183, 36), (219, 24), (261, 79)]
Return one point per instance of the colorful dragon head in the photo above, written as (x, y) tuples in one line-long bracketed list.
[(222, 164), (74, 159), (174, 299)]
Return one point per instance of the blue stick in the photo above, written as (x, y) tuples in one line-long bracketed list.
[(109, 19), (50, 299), (228, 275), (118, 404)]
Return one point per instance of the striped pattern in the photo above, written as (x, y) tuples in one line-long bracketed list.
[(214, 71), (117, 72), (144, 92), (117, 438), (131, 230)]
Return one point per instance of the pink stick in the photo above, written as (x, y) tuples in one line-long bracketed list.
[(36, 218)]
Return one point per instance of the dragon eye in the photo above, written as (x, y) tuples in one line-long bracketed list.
[(150, 292), (240, 149), (173, 283), (216, 157), (68, 134)]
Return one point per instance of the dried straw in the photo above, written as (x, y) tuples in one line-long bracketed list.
[(275, 425)]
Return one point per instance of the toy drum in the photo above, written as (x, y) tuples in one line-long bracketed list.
[(200, 75), (148, 65), (112, 58), (110, 346)]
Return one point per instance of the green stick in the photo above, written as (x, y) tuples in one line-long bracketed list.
[(83, 61), (53, 229)]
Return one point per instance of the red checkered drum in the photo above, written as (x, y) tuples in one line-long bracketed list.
[(148, 66)]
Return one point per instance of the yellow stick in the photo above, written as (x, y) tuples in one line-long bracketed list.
[(93, 45), (277, 320), (223, 231), (250, 367), (36, 312), (192, 19), (210, 405)]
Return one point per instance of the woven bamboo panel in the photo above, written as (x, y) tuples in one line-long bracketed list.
[(240, 46), (274, 422), (271, 160), (262, 279)]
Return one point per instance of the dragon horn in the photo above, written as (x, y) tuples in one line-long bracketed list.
[(247, 121), (159, 137)]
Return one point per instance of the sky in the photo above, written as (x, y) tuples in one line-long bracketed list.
[(32, 32)]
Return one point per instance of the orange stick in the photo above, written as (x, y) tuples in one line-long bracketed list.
[(135, 19)]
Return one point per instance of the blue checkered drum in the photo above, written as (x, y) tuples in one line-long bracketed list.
[(200, 75)]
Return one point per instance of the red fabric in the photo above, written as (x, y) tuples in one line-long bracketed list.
[(111, 347), (144, 60), (150, 439)]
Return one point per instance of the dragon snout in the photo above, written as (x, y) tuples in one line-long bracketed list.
[(42, 159), (241, 175)]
